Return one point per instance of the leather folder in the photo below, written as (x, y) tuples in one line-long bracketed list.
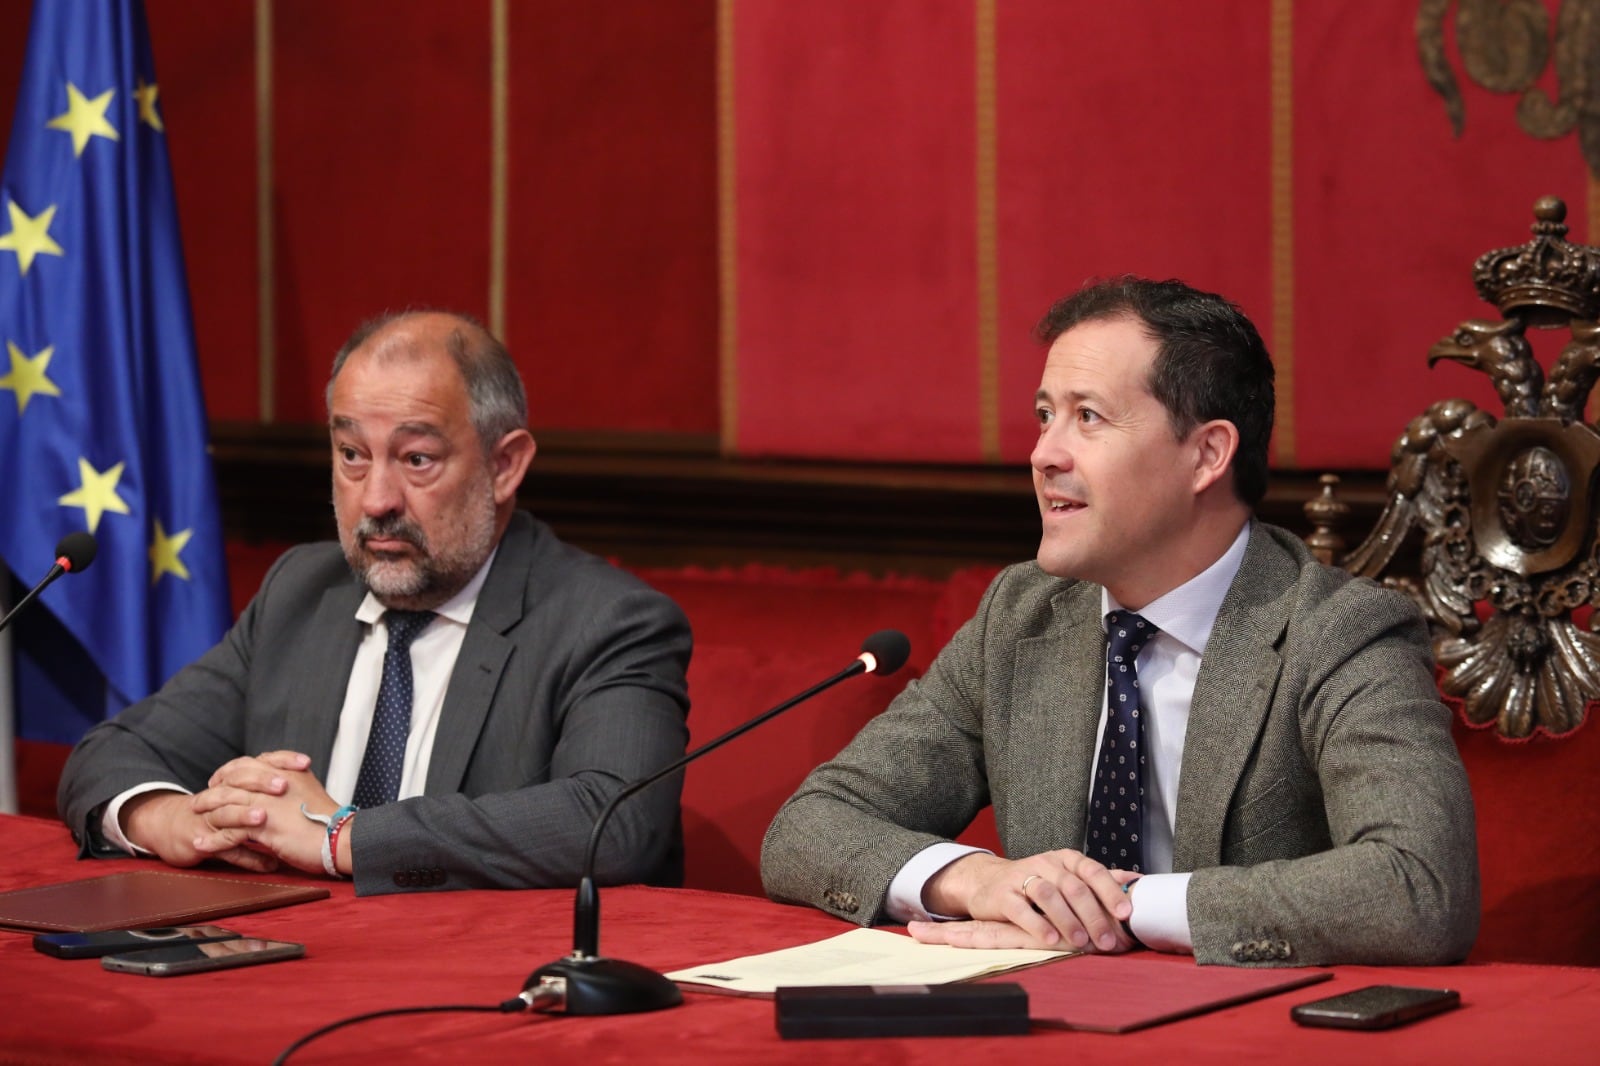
[(141, 899)]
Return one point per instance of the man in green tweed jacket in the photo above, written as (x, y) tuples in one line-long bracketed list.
[(1195, 737)]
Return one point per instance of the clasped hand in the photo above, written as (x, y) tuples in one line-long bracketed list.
[(248, 815), (1057, 899)]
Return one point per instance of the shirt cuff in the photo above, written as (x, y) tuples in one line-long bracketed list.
[(111, 818), (903, 902), (1160, 916)]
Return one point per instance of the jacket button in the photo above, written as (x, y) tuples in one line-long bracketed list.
[(843, 901), (1237, 951), (402, 879)]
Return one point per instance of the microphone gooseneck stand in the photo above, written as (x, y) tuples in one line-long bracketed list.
[(586, 983), (74, 552)]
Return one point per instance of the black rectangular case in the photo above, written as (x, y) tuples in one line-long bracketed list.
[(901, 1010)]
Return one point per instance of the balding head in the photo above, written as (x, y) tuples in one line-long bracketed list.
[(496, 399)]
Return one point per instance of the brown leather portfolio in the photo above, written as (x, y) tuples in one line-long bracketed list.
[(141, 899)]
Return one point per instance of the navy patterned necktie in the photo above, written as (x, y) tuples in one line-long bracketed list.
[(379, 781), (1116, 801)]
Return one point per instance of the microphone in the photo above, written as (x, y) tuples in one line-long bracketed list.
[(585, 983), (74, 552)]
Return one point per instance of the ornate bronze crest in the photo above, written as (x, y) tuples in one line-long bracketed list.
[(1506, 506)]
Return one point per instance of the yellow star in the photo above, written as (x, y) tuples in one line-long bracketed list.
[(98, 493), (29, 236), (27, 378), (164, 553), (84, 118), (146, 95)]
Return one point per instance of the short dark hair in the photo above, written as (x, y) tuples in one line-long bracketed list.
[(497, 403), (1210, 361)]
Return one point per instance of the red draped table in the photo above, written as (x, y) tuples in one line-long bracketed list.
[(478, 947)]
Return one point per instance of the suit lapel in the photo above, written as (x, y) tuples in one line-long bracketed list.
[(485, 651), (1232, 694), (315, 704), (1056, 697)]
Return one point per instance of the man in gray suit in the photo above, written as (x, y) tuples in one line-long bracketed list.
[(1193, 735), (453, 715)]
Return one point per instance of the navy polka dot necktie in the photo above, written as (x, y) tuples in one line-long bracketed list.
[(379, 781), (1116, 801)]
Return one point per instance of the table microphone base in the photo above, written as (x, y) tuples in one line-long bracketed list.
[(589, 985)]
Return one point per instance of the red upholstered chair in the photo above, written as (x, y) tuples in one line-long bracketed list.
[(1504, 508), (763, 634)]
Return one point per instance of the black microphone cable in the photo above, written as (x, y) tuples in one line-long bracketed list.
[(515, 1005)]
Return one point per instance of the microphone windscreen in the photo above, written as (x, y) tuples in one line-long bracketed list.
[(890, 648), (77, 549)]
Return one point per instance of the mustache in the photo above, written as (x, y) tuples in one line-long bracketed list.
[(391, 527)]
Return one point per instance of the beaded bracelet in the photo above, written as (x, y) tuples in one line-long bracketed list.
[(327, 857), (332, 823), (333, 840)]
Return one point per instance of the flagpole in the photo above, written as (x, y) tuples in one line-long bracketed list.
[(8, 745)]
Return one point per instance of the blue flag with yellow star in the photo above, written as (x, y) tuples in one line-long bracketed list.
[(102, 425)]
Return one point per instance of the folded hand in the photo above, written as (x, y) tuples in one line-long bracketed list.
[(1057, 899)]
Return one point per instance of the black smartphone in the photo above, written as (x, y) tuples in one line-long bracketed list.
[(175, 959), (1376, 1007), (113, 941)]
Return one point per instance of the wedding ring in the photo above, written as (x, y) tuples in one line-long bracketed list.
[(1026, 881)]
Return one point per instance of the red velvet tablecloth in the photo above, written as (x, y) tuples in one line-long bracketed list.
[(478, 947)]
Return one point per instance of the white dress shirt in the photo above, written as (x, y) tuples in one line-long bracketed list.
[(1167, 668), (433, 659)]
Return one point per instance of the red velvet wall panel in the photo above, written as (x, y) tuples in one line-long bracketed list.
[(381, 174), (1390, 212), (1124, 137), (1291, 156), (381, 137), (1132, 138), (13, 45), (205, 64), (857, 313), (611, 265)]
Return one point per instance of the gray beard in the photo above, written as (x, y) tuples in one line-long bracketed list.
[(424, 582)]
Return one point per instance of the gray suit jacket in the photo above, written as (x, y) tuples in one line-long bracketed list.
[(1321, 802), (570, 682)]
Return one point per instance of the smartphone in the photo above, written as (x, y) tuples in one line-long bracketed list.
[(1376, 1007), (175, 959), (113, 941)]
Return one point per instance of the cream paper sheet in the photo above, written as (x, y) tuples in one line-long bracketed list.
[(859, 957)]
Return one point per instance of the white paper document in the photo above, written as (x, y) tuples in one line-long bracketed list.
[(860, 957)]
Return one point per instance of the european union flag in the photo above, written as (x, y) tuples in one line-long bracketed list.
[(102, 426)]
